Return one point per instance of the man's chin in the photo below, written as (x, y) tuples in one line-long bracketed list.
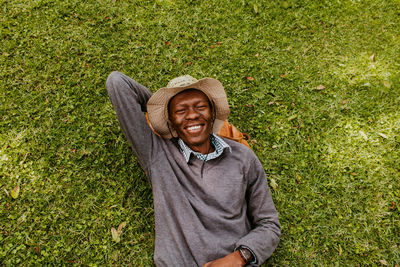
[(196, 141)]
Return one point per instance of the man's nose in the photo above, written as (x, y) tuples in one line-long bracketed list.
[(192, 114)]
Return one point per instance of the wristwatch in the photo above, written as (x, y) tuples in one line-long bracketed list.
[(245, 254)]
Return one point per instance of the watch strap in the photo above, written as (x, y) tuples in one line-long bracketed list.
[(245, 254)]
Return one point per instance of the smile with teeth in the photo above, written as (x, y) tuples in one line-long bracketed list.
[(193, 128)]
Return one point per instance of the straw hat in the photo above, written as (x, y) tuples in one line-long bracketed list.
[(157, 106)]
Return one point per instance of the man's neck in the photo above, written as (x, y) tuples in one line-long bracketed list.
[(205, 148)]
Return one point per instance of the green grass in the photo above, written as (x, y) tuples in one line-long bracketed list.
[(331, 156)]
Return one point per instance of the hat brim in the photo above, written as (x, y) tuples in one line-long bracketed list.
[(157, 105)]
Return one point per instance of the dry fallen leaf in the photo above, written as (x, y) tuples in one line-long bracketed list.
[(121, 226), (383, 262), (274, 185), (383, 135), (320, 87), (15, 192), (387, 84), (250, 78), (167, 43), (363, 135), (283, 75), (271, 103), (115, 235), (372, 58), (298, 178)]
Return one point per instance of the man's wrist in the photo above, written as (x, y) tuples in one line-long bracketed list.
[(239, 257), (245, 254)]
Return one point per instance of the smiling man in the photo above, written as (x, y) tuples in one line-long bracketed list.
[(212, 204)]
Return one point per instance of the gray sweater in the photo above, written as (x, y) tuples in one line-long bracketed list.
[(197, 219)]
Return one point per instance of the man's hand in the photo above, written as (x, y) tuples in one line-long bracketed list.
[(231, 260)]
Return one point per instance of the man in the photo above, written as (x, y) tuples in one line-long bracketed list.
[(212, 204)]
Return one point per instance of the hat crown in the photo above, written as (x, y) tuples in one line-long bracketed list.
[(181, 81)]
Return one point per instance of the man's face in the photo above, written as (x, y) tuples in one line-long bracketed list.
[(190, 115)]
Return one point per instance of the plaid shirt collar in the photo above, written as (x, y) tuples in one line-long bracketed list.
[(216, 141)]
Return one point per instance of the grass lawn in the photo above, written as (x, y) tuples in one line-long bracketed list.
[(316, 84)]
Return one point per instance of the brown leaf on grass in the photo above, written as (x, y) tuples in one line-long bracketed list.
[(387, 84), (283, 75), (344, 102), (393, 206), (219, 43), (257, 55), (372, 58), (15, 192), (250, 106), (353, 174), (383, 262), (271, 103), (383, 135), (212, 46), (167, 43), (121, 226), (321, 87), (298, 178), (250, 78), (273, 184), (115, 235), (188, 63)]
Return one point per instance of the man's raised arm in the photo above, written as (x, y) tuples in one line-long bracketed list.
[(129, 99)]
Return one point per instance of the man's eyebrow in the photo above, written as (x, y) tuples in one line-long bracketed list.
[(184, 104)]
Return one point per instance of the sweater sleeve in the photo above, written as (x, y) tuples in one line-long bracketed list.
[(263, 239), (129, 99)]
